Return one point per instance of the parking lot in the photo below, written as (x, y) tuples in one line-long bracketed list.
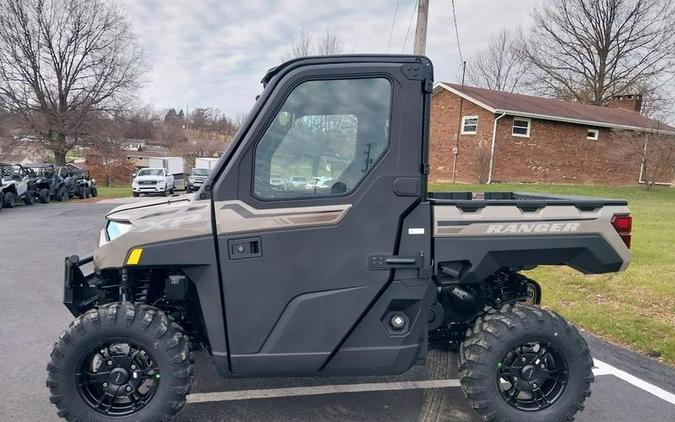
[(35, 240)]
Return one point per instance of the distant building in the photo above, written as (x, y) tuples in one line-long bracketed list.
[(505, 137)]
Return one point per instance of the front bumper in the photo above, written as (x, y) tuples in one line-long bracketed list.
[(79, 290), (148, 188)]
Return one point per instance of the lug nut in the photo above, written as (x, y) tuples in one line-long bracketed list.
[(128, 388), (515, 378), (105, 385), (133, 366), (534, 385), (524, 360), (543, 366), (109, 363)]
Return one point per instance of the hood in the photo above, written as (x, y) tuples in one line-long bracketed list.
[(164, 220), (118, 213), (150, 177)]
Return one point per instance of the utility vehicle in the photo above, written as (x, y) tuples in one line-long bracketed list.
[(15, 184), (360, 279), (47, 183), (77, 181)]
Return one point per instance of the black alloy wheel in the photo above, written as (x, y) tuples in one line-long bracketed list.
[(532, 376), (117, 378)]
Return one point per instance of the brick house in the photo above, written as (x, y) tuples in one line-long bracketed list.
[(505, 137)]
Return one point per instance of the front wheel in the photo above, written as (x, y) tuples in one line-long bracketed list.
[(10, 200), (94, 192), (120, 362), (525, 364)]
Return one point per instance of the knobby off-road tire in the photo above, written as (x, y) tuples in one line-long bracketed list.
[(140, 324), (43, 195), (28, 198), (10, 200), (495, 335)]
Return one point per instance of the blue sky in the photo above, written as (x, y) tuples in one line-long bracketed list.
[(211, 53)]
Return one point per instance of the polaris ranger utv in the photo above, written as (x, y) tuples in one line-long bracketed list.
[(359, 279)]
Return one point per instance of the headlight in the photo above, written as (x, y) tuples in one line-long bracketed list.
[(116, 229)]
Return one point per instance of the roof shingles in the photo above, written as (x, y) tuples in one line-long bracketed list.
[(551, 109)]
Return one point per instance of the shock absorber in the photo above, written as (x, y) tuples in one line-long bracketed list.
[(142, 288)]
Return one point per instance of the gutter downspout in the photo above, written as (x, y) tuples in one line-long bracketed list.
[(492, 150), (641, 179)]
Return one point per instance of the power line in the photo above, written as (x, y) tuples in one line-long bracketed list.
[(409, 26), (393, 22), (454, 18)]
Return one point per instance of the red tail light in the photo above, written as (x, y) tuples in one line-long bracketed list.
[(623, 225)]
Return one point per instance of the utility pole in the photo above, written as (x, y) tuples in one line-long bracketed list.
[(421, 29)]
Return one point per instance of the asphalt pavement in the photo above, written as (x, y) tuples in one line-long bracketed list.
[(34, 241)]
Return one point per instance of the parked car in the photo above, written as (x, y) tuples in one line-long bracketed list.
[(152, 180), (298, 182), (197, 178), (47, 184), (16, 185), (277, 183), (322, 183)]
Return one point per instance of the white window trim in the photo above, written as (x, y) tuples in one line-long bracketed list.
[(529, 127), (464, 119), (593, 138)]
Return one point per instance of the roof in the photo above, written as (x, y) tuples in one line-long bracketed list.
[(556, 110)]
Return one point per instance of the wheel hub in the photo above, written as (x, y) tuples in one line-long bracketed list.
[(119, 376)]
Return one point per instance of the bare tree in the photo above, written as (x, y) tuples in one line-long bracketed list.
[(63, 62), (499, 66), (591, 50), (304, 45)]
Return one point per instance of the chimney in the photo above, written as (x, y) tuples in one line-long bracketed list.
[(632, 102)]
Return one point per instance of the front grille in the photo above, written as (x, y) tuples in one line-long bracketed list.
[(147, 182)]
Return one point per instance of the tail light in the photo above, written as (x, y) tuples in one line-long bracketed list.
[(623, 225)]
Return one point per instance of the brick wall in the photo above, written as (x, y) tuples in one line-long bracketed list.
[(555, 152), (474, 150)]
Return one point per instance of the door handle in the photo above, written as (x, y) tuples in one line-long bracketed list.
[(244, 248)]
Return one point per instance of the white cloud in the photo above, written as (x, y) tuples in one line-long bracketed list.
[(211, 53)]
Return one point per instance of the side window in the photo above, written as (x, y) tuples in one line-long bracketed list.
[(326, 138)]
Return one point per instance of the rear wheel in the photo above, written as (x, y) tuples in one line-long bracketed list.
[(43, 195), (120, 362), (10, 200), (522, 363)]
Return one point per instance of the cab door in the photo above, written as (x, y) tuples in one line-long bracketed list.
[(317, 187)]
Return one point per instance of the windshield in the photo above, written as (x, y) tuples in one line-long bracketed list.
[(200, 172), (151, 172)]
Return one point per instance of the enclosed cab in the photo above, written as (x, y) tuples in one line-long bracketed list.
[(314, 248)]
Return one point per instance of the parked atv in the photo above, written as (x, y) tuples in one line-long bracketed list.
[(17, 185), (362, 278), (47, 184), (77, 181)]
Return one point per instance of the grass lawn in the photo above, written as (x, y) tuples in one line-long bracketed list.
[(113, 191), (635, 308)]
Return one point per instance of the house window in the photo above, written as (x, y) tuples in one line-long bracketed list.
[(469, 125), (593, 134), (521, 127)]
